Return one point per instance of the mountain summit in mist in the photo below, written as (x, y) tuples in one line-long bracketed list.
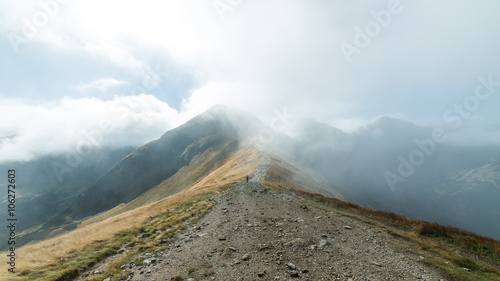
[(314, 191), (217, 130), (457, 185)]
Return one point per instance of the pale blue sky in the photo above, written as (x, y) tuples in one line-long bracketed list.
[(170, 60)]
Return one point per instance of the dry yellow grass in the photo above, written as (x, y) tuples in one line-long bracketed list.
[(233, 171), (38, 256), (282, 174)]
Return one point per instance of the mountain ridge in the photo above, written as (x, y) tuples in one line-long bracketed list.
[(223, 226), (311, 156)]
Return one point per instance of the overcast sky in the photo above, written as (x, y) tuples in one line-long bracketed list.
[(133, 69)]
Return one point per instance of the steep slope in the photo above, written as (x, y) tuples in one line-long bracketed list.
[(212, 169), (46, 191), (211, 153), (280, 232), (262, 229), (58, 256), (176, 161), (159, 160), (285, 173)]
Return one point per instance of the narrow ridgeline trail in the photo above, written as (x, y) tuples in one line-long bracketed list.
[(258, 234)]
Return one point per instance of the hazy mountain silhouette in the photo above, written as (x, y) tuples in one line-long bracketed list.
[(454, 185), (158, 160), (43, 192)]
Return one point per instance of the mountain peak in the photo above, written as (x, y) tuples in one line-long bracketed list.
[(221, 111), (244, 122), (391, 122), (393, 127)]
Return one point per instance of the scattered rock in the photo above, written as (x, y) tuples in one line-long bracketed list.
[(323, 243), (296, 242), (291, 266), (250, 252), (263, 247), (147, 261)]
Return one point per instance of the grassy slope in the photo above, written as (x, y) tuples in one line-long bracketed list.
[(298, 178), (64, 256), (185, 178), (462, 254), (447, 248)]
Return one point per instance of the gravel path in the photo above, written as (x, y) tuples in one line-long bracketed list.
[(254, 234)]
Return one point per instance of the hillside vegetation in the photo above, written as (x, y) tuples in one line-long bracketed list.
[(127, 233), (62, 257)]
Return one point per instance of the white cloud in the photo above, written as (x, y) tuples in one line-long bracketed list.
[(290, 48), (268, 55), (42, 128), (102, 85)]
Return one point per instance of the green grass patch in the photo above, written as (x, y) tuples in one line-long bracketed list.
[(139, 240)]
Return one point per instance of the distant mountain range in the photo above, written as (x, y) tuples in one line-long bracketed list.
[(388, 165), (46, 186)]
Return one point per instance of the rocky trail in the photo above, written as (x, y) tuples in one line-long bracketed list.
[(258, 234)]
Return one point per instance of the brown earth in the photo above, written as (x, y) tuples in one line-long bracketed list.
[(257, 234)]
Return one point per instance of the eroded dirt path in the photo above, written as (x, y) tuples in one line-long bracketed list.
[(254, 234)]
